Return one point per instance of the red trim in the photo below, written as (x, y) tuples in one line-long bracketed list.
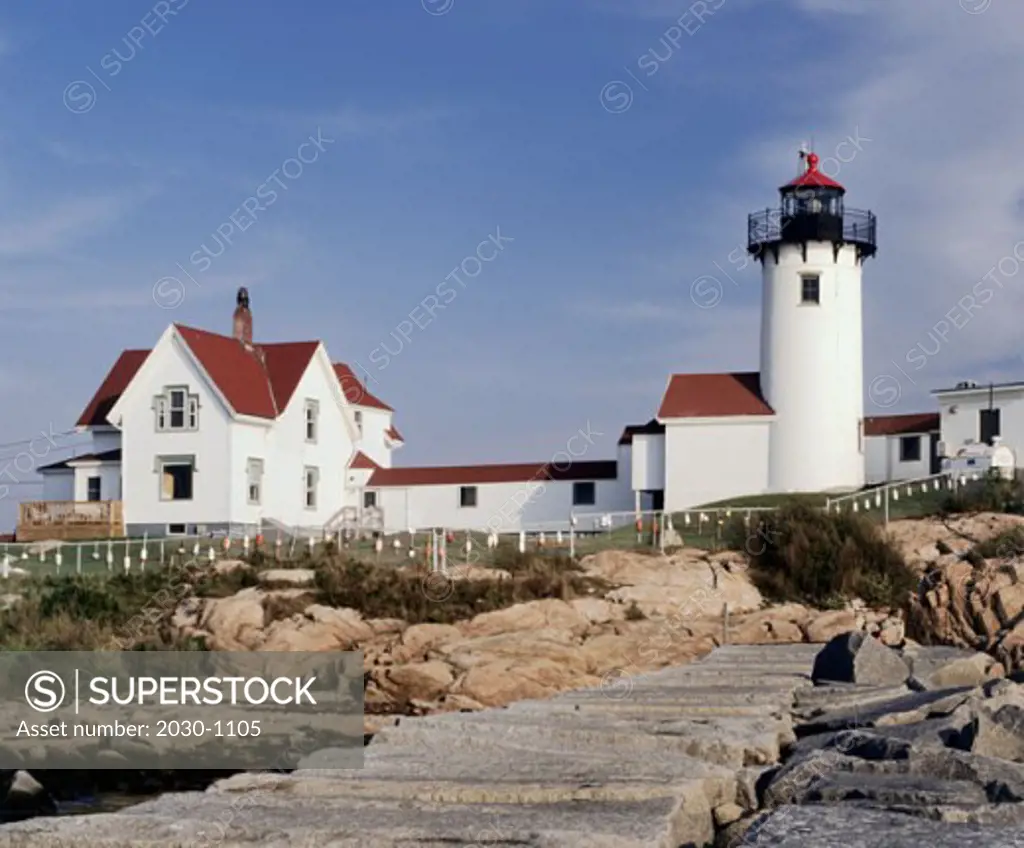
[(453, 475), (895, 425)]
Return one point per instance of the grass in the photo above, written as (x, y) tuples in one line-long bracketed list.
[(752, 501)]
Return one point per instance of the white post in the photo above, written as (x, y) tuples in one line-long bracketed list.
[(522, 541), (661, 532), (433, 548), (886, 506), (78, 561), (572, 541)]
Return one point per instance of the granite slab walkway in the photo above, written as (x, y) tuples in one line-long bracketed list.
[(640, 764), (643, 765)]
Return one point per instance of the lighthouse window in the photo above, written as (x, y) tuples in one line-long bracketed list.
[(810, 290)]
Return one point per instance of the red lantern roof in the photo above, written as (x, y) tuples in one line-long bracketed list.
[(812, 177)]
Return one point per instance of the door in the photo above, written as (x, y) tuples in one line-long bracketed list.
[(934, 460), (988, 425)]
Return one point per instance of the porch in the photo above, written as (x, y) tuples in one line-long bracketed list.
[(67, 520)]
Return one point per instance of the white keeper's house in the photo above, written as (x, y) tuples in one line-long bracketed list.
[(214, 433)]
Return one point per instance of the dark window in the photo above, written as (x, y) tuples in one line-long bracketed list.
[(584, 494), (92, 489), (910, 449), (177, 409), (369, 499), (175, 529), (467, 496), (988, 423), (176, 483), (810, 290)]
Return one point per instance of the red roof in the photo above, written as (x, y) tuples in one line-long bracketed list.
[(355, 391), (812, 177), (116, 381), (713, 395), (257, 380), (361, 460), (895, 425), (479, 474), (394, 435)]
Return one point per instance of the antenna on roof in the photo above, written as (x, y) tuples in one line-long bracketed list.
[(803, 153)]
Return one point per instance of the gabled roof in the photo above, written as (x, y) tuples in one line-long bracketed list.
[(894, 425), (454, 475), (258, 380), (113, 385), (713, 396), (361, 460), (357, 393), (394, 435), (652, 428)]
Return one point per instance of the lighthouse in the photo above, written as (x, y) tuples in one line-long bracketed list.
[(812, 251)]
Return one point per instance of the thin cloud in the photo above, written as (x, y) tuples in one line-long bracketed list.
[(65, 222)]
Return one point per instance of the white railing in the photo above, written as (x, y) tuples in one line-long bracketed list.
[(884, 496)]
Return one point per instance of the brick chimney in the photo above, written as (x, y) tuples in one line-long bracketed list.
[(243, 319)]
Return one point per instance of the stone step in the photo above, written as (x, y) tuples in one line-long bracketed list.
[(724, 741), (290, 820), (643, 770)]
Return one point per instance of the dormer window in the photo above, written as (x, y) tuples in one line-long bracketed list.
[(176, 410), (312, 423)]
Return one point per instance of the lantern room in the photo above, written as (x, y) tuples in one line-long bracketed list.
[(811, 209)]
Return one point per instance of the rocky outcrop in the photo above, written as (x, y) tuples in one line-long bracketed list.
[(971, 604), (658, 611)]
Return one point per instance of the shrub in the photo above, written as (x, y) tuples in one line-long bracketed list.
[(822, 559), (1007, 545), (94, 612), (991, 494), (417, 596)]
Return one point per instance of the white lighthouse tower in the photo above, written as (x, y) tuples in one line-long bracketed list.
[(812, 252)]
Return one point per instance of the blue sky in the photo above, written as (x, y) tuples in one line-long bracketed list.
[(494, 117)]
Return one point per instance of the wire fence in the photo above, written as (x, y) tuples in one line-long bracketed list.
[(580, 535), (913, 498)]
